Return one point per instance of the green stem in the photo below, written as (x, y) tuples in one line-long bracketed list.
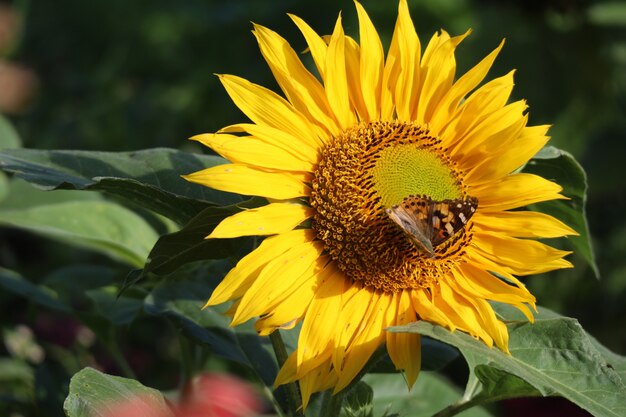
[(456, 408), (118, 356), (294, 399), (467, 401)]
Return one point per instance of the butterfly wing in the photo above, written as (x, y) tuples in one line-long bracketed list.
[(429, 223), (449, 216), (412, 217)]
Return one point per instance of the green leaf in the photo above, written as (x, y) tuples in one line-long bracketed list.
[(150, 178), (430, 394), (98, 225), (561, 167), (13, 282), (189, 244), (612, 360), (8, 135), (96, 394), (180, 297), (553, 356)]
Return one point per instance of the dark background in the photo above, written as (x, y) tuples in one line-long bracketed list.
[(122, 75)]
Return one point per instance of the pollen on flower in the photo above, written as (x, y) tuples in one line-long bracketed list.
[(357, 178)]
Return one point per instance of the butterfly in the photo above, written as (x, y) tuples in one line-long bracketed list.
[(429, 223)]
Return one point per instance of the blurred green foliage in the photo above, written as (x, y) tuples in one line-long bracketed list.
[(123, 75)]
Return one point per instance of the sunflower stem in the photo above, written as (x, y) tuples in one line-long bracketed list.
[(294, 400), (456, 408), (468, 399)]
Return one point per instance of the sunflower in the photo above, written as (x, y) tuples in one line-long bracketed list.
[(393, 197)]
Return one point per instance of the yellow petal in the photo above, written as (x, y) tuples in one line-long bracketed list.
[(319, 327), (267, 220), (506, 159), (461, 311), (239, 279), (354, 304), (483, 284), (406, 90), (253, 152), (353, 53), (496, 129), (404, 348), (267, 108), (288, 373), (243, 179), (336, 81), (316, 44), (279, 278), (319, 379), (288, 312), (523, 224), (424, 304), (279, 138), (367, 336), (460, 89), (437, 75), (518, 256), (482, 102), (371, 63), (515, 190), (301, 88), (485, 315)]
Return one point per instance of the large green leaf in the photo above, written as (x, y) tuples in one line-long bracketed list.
[(553, 356), (150, 178), (430, 394), (96, 394), (561, 167), (98, 225)]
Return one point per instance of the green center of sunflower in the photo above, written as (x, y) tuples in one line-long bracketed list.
[(403, 170), (361, 173)]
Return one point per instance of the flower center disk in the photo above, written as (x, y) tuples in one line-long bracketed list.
[(365, 170)]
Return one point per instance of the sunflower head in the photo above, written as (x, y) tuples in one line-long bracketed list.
[(394, 193)]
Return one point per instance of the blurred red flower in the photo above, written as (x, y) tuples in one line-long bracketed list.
[(208, 395)]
